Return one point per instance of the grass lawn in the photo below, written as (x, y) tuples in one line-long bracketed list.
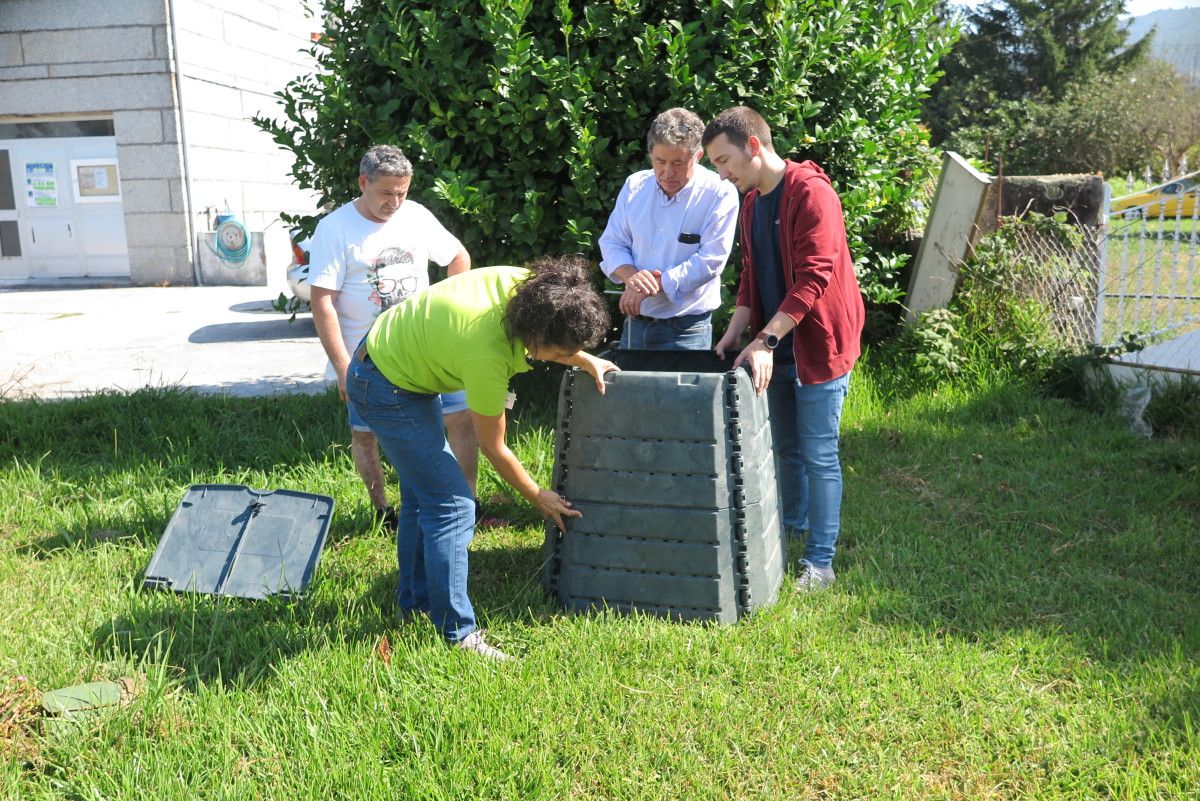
[(1017, 615)]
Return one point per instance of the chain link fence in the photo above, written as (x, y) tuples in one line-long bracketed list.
[(1132, 287), (1062, 277)]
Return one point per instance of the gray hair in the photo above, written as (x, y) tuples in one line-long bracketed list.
[(675, 127), (384, 160)]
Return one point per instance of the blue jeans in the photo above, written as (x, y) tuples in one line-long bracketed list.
[(805, 419), (688, 332), (437, 511)]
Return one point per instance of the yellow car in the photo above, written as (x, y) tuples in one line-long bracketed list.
[(1173, 199)]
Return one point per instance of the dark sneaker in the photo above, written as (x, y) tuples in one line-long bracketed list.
[(812, 578), (475, 643), (388, 519)]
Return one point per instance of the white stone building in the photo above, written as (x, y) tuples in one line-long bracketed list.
[(125, 128)]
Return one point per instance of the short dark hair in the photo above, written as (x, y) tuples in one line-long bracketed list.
[(557, 306), (738, 123)]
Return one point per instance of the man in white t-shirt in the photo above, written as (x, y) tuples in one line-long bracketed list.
[(366, 256)]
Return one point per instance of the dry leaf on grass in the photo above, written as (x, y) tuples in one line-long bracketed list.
[(384, 649)]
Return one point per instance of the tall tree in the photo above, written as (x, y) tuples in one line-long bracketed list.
[(1028, 49), (1113, 124), (1070, 41)]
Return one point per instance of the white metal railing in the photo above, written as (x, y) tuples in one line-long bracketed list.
[(1149, 274)]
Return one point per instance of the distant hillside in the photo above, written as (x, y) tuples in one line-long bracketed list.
[(1177, 40)]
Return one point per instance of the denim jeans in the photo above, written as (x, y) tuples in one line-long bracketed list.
[(437, 511), (688, 332), (805, 419)]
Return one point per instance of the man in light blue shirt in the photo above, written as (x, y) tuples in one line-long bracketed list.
[(668, 238)]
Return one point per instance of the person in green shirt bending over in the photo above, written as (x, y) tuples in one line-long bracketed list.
[(472, 331)]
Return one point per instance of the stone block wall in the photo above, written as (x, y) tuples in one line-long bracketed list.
[(107, 58), (73, 59)]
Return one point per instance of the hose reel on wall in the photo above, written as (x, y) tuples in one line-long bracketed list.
[(230, 254), (232, 241)]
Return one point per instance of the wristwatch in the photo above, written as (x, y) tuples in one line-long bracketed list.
[(770, 340)]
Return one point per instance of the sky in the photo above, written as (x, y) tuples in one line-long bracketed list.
[(1135, 8)]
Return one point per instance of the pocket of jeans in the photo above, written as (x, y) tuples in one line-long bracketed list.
[(356, 386), (384, 393)]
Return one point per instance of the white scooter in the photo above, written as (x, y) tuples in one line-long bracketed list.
[(297, 273), (297, 277)]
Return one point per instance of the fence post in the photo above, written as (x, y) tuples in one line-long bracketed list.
[(953, 228), (1102, 272)]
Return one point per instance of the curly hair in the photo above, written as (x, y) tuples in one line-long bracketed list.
[(557, 306), (675, 127)]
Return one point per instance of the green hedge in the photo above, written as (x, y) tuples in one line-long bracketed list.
[(522, 119)]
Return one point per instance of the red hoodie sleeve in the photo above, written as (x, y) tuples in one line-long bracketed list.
[(818, 234), (745, 295)]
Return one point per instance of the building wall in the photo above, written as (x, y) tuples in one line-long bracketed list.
[(76, 58), (108, 58), (234, 57)]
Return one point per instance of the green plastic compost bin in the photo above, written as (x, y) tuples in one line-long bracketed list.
[(674, 472)]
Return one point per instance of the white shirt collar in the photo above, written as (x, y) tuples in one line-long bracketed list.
[(662, 196)]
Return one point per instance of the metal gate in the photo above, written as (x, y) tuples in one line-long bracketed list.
[(1150, 276)]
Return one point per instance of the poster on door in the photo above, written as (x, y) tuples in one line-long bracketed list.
[(96, 180), (41, 185)]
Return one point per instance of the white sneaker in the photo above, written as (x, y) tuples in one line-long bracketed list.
[(475, 642), (812, 578)]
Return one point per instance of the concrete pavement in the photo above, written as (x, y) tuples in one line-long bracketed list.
[(64, 343)]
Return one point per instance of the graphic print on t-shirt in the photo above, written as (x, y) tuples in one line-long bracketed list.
[(393, 277)]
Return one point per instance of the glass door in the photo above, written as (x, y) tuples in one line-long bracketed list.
[(11, 263)]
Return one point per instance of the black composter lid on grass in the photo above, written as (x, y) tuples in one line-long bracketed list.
[(228, 539)]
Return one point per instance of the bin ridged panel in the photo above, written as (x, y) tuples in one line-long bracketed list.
[(667, 524), (586, 585), (630, 454), (652, 406), (685, 473), (656, 556), (764, 547), (649, 489), (674, 472)]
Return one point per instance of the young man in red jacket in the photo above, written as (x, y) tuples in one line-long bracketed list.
[(800, 300)]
